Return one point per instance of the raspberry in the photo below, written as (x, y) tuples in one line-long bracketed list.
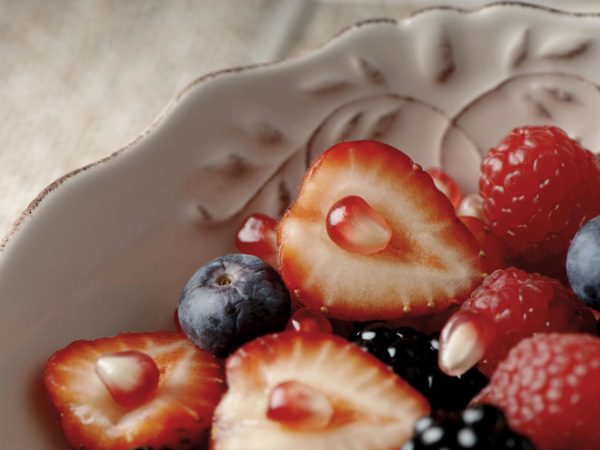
[(548, 388), (509, 306), (539, 187)]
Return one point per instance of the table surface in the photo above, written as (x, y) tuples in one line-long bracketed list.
[(80, 79)]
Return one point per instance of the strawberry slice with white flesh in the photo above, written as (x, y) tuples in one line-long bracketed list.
[(135, 390), (370, 237), (307, 390)]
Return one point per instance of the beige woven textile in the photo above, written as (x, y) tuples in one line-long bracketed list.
[(80, 79)]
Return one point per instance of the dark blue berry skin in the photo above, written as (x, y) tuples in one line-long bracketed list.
[(232, 300), (583, 263)]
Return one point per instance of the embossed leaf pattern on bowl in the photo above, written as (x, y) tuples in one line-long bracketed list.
[(529, 91)]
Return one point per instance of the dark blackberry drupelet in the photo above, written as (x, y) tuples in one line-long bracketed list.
[(413, 356), (453, 393), (481, 427), (375, 338)]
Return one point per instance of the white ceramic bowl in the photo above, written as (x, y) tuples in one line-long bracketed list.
[(107, 248)]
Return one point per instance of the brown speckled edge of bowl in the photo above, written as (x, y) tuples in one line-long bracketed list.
[(26, 214)]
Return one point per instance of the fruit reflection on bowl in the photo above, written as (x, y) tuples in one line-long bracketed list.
[(108, 247)]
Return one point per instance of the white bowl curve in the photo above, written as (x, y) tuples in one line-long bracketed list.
[(108, 248)]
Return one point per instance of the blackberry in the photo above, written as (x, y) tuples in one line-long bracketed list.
[(453, 393), (413, 356), (481, 427), (375, 338)]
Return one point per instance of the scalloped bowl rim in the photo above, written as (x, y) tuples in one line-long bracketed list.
[(203, 79)]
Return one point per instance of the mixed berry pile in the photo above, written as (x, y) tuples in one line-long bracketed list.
[(383, 311)]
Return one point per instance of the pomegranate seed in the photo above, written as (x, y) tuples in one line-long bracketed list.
[(464, 341), (258, 236), (446, 184), (298, 405), (472, 206), (131, 377), (356, 227), (307, 319)]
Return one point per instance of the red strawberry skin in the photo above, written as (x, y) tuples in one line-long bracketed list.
[(549, 387), (522, 304), (432, 260), (539, 187), (179, 415)]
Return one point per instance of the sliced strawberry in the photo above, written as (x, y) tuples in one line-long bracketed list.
[(446, 184), (427, 324), (299, 390), (493, 249), (177, 415), (431, 260)]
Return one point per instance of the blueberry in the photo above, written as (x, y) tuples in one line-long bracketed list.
[(583, 263), (232, 300)]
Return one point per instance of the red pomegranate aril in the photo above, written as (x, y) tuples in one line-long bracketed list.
[(298, 405), (356, 227), (258, 236), (464, 341), (131, 377), (471, 206), (308, 319), (446, 184)]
